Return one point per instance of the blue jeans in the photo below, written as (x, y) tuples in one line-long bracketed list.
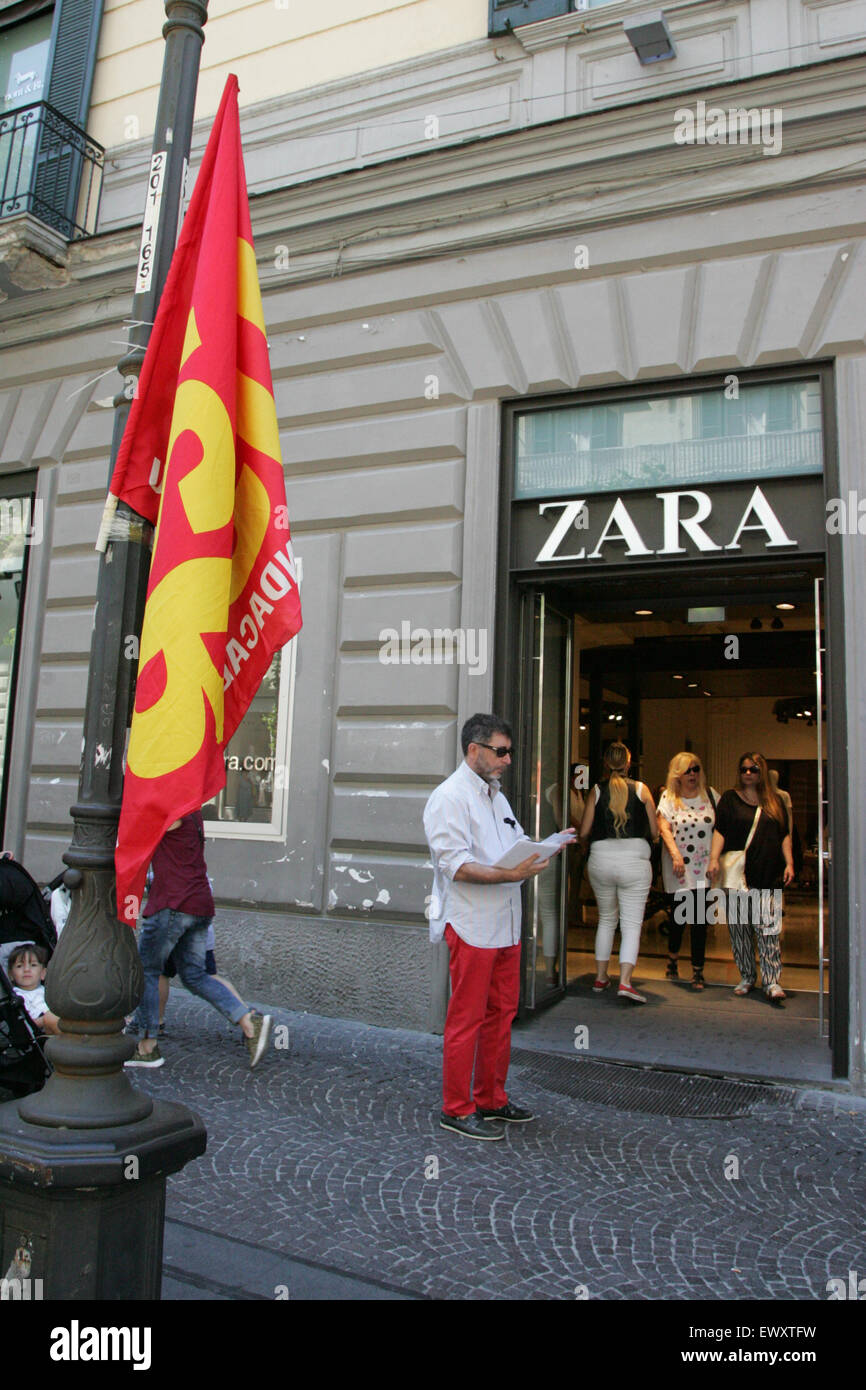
[(171, 931)]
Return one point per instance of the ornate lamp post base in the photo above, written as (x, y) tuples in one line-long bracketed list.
[(89, 1204), (83, 1163)]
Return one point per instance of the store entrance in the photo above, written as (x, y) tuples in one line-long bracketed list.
[(713, 668)]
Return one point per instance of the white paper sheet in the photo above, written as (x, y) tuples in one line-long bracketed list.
[(526, 847)]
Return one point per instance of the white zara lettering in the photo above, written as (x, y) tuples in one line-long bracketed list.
[(690, 524), (626, 531), (76, 1343), (767, 522), (620, 527), (571, 513)]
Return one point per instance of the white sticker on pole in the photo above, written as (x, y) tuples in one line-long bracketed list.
[(181, 204), (150, 227)]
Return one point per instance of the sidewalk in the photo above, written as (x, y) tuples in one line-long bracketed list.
[(327, 1176)]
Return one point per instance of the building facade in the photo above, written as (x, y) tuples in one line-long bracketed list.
[(556, 336)]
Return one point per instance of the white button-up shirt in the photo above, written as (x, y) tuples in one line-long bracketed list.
[(463, 822)]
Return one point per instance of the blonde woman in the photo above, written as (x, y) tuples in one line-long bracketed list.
[(686, 816), (619, 822)]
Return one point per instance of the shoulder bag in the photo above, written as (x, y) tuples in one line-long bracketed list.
[(733, 862)]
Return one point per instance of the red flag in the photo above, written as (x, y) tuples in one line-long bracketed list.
[(201, 457)]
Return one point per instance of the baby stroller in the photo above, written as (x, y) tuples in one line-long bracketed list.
[(24, 920)]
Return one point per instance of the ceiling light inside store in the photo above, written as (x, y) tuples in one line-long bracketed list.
[(643, 612), (786, 607)]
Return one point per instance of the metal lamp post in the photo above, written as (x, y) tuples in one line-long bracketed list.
[(83, 1162)]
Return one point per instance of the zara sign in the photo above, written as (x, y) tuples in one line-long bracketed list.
[(776, 517)]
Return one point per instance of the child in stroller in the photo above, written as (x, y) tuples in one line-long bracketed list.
[(24, 921)]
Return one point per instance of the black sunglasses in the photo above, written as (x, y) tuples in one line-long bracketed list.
[(756, 770), (694, 768), (501, 752)]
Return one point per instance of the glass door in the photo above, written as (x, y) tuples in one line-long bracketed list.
[(821, 845), (547, 649)]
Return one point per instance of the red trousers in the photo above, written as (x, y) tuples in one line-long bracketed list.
[(485, 992)]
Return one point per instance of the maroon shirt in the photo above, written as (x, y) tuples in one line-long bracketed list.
[(179, 871)]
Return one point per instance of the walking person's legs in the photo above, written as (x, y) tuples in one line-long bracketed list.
[(157, 937), (186, 937), (770, 955), (676, 910), (634, 879), (604, 888), (743, 950)]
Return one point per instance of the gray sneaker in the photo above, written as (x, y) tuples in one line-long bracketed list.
[(145, 1059), (259, 1040)]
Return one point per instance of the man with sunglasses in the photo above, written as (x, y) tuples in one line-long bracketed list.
[(476, 907)]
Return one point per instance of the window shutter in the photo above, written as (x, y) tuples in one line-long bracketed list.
[(74, 57), (507, 14)]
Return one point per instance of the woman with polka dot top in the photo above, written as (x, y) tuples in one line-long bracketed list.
[(687, 817)]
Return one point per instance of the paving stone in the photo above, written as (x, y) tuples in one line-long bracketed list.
[(331, 1153)]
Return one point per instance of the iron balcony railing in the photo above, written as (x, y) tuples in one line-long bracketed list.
[(681, 461), (51, 169)]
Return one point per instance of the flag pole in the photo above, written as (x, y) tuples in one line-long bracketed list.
[(89, 1135)]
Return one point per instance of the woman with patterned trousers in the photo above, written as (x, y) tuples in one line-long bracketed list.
[(752, 818)]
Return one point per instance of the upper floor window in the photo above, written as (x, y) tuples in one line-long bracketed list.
[(24, 61), (697, 437), (48, 167)]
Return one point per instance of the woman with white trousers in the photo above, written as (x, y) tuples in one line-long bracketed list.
[(619, 822)]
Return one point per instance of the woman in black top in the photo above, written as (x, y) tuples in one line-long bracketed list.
[(619, 821), (769, 861)]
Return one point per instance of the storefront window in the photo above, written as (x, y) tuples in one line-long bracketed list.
[(739, 431), (253, 803)]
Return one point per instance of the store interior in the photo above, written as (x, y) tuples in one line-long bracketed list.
[(733, 666)]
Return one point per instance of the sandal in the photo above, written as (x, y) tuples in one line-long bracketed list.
[(743, 987), (698, 980), (775, 994), (672, 972)]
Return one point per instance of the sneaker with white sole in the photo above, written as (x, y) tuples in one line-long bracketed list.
[(259, 1040), (145, 1059), (627, 992)]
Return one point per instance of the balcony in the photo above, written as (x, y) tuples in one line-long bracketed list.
[(51, 169), (687, 461), (50, 187)]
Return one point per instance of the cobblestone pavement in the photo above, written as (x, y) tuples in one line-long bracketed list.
[(331, 1152)]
